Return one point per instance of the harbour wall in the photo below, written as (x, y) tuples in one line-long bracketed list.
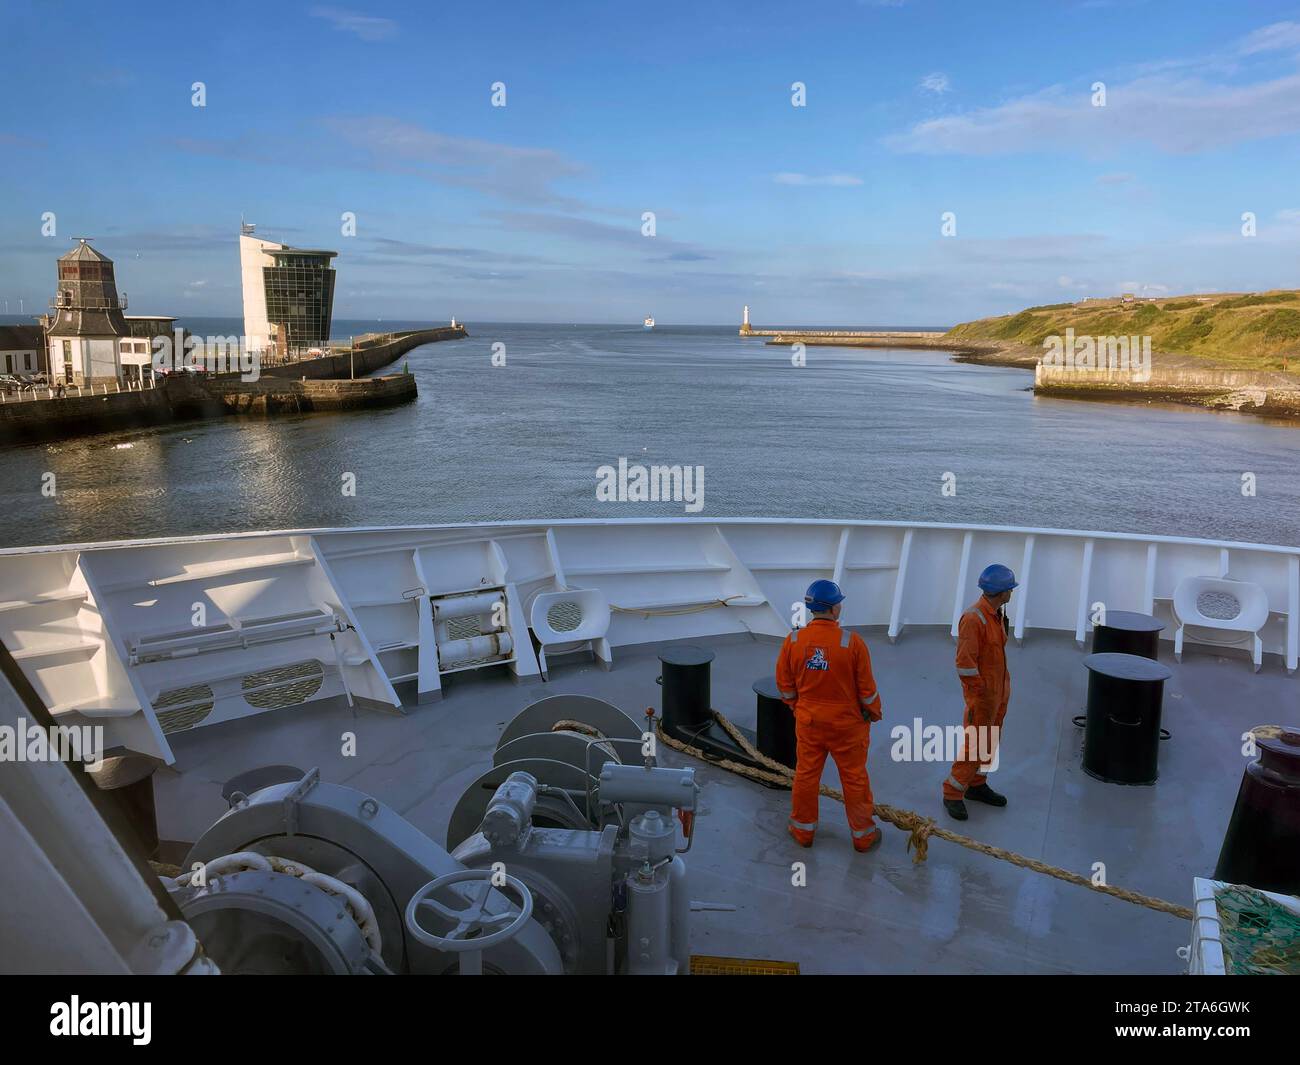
[(23, 421), (829, 335), (271, 395), (372, 352), (321, 384), (1248, 391)]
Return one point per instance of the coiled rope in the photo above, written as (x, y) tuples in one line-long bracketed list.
[(918, 827), (353, 901)]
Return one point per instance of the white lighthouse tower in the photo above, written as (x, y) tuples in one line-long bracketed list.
[(744, 325)]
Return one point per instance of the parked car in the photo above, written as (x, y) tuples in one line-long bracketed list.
[(10, 383)]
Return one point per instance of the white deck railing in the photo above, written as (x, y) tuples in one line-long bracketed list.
[(251, 622)]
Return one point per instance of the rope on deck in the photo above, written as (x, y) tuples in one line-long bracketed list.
[(674, 611), (920, 828)]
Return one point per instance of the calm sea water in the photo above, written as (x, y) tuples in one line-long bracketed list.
[(853, 434)]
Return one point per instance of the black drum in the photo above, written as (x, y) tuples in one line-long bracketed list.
[(1121, 739)]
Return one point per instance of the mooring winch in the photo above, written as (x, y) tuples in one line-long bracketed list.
[(573, 865)]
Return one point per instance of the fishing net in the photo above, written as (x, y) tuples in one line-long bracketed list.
[(1260, 936)]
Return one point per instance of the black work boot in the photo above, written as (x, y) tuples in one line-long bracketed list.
[(983, 793), (956, 809)]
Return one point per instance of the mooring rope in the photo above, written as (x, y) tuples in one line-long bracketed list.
[(919, 827), (672, 612)]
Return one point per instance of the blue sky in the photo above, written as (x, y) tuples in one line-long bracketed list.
[(829, 213)]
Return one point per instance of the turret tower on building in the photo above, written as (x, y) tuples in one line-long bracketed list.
[(86, 319)]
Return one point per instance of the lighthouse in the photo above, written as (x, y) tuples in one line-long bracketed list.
[(744, 325)]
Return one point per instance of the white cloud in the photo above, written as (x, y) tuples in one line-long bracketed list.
[(936, 83), (1290, 215), (1173, 115), (1279, 37), (835, 180), (1118, 178), (522, 175), (1177, 106), (367, 27)]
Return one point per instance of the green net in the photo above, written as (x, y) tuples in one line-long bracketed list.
[(1260, 937)]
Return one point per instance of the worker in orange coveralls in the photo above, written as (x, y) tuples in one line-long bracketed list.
[(986, 685), (824, 674)]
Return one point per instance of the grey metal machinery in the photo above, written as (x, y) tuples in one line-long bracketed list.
[(306, 876)]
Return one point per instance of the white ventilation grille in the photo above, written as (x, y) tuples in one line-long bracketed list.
[(465, 628), (565, 616), (193, 705), (284, 685), (1222, 606)]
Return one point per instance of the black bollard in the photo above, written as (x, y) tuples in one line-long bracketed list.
[(1121, 740), (775, 723), (686, 703), (1262, 845), (687, 708), (1129, 633)]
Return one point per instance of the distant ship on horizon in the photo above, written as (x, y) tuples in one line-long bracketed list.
[(649, 321)]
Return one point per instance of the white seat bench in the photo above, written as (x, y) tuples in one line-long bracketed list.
[(1219, 610), (577, 616)]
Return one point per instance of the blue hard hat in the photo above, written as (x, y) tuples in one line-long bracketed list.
[(996, 579), (822, 595)]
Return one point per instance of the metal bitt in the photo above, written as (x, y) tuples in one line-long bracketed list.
[(1129, 633), (776, 737), (687, 706), (1262, 845), (1121, 739)]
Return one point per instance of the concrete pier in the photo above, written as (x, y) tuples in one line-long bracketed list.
[(861, 338), (827, 336), (272, 395), (372, 352), (321, 384)]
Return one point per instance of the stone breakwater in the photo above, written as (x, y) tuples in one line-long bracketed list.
[(1264, 393), (321, 384), (372, 352), (1185, 379), (272, 395)]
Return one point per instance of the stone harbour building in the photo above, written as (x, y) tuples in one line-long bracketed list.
[(86, 322), (89, 341)]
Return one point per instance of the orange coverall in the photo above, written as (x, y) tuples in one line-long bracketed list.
[(986, 685), (824, 675)]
